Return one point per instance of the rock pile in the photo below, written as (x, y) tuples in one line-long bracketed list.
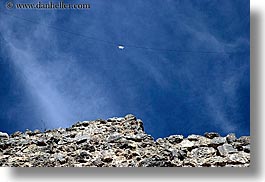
[(120, 142)]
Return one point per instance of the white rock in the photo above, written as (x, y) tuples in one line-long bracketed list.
[(4, 135), (186, 144), (116, 119)]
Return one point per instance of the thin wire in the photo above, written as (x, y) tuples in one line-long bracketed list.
[(118, 44), (62, 30)]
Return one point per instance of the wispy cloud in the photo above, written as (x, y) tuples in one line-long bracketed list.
[(218, 114), (60, 87)]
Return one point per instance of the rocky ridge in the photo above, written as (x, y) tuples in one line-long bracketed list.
[(120, 142)]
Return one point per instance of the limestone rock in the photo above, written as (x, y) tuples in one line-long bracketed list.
[(226, 149), (120, 142)]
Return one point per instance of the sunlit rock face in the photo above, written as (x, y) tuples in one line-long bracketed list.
[(120, 142)]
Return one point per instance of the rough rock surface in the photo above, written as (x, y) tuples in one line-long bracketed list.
[(120, 142)]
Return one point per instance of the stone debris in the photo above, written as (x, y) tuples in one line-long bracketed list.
[(120, 142)]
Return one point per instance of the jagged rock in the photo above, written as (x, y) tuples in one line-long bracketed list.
[(36, 131), (41, 142), (120, 142), (16, 134), (239, 158), (116, 119), (53, 140), (81, 139), (193, 137), (60, 157), (203, 152), (114, 137), (216, 141), (140, 124), (211, 135), (245, 140), (246, 148), (4, 135), (186, 144), (136, 138), (226, 149), (155, 161), (182, 154), (29, 132), (130, 117), (107, 159), (214, 161), (199, 141), (237, 145), (175, 139), (160, 141), (231, 137)]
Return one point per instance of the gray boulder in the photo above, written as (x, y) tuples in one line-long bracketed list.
[(226, 149)]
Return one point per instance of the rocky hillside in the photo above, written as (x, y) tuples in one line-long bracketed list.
[(120, 142)]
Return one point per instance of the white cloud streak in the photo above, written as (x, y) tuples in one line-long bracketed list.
[(61, 88)]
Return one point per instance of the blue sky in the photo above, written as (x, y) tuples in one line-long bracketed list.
[(55, 71)]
